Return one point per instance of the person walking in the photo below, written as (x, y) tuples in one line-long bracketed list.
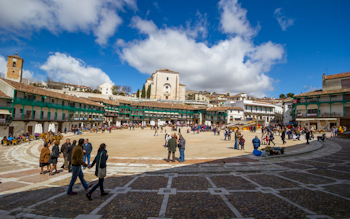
[(172, 143), (229, 134), (236, 138), (156, 131), (87, 149), (64, 150), (70, 149), (271, 138), (54, 156), (45, 158), (77, 162), (182, 143), (225, 133), (101, 165), (307, 135), (283, 136), (256, 142)]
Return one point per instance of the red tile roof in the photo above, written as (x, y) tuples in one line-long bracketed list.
[(110, 102), (40, 91), (340, 75), (224, 108), (313, 93), (4, 96)]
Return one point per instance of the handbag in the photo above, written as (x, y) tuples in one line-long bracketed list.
[(101, 172)]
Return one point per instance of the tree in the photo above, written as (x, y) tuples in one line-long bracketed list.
[(138, 93), (143, 94), (282, 96), (149, 92), (115, 89), (291, 95), (96, 91)]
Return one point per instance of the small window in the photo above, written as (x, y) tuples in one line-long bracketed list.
[(13, 72), (14, 64), (167, 78), (166, 87)]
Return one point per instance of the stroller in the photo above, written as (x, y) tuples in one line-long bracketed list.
[(323, 137)]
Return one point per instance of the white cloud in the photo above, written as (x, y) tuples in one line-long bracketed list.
[(234, 19), (235, 64), (3, 64), (28, 75), (283, 21), (21, 17), (65, 68)]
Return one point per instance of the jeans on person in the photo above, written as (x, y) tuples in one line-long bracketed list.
[(182, 154), (283, 141), (225, 136), (76, 171), (236, 144), (88, 158), (99, 184)]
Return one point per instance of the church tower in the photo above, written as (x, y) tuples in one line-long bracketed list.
[(14, 68)]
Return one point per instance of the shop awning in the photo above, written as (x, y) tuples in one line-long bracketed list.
[(5, 112)]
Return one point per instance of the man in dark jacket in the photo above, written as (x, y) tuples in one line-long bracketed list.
[(307, 136), (256, 142), (172, 148), (182, 143), (64, 151), (283, 136), (87, 149), (77, 161)]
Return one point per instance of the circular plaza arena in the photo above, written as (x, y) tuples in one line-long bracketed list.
[(215, 181)]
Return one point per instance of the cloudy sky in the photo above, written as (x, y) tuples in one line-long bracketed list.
[(258, 47)]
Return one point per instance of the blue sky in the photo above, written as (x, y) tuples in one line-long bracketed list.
[(258, 47)]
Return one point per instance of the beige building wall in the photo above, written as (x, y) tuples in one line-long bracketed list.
[(14, 68)]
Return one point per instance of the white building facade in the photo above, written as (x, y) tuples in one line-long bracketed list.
[(165, 84), (106, 88)]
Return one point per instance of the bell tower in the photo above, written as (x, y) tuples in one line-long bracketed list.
[(14, 68)]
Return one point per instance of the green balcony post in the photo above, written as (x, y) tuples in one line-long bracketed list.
[(56, 114), (41, 112), (32, 111), (318, 110), (306, 111)]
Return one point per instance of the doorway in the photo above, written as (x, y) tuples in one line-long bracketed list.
[(30, 129), (166, 97), (10, 130)]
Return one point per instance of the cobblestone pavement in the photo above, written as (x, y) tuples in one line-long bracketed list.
[(309, 185)]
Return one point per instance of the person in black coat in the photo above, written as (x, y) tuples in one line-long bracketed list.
[(283, 136), (69, 158), (307, 135), (101, 162)]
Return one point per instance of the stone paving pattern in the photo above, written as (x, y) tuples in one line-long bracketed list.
[(317, 183)]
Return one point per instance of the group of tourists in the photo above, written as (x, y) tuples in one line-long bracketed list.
[(171, 143), (75, 155)]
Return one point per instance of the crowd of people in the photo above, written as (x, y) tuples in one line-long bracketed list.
[(75, 155)]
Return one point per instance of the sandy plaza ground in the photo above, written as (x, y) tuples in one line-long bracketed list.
[(140, 143)]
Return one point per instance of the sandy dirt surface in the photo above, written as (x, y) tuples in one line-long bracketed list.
[(143, 144)]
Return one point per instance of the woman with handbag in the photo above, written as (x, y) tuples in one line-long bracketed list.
[(101, 170), (55, 153)]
